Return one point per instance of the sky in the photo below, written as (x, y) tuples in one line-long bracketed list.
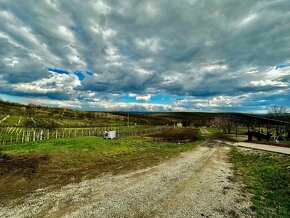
[(165, 55)]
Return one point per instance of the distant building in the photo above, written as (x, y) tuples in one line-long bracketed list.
[(179, 125)]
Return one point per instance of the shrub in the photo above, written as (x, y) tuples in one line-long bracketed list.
[(41, 124)]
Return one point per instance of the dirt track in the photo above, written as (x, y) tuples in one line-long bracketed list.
[(194, 184)]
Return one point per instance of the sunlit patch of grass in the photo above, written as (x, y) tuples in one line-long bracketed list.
[(267, 178)]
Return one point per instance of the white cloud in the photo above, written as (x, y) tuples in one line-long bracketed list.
[(214, 67), (249, 19), (55, 83), (150, 44), (263, 83), (66, 34), (143, 97), (131, 95), (125, 106), (33, 55), (146, 47), (212, 102), (101, 7), (11, 61)]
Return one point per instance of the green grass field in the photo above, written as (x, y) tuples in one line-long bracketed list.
[(214, 130), (30, 166), (267, 177)]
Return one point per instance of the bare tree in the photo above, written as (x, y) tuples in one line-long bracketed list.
[(223, 122), (39, 124), (277, 112)]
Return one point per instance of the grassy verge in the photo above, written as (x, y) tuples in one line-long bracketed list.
[(267, 178), (40, 164), (214, 130)]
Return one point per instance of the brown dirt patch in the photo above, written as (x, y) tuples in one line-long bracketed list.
[(22, 165), (177, 135), (22, 175), (221, 136)]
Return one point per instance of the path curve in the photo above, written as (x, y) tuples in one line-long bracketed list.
[(194, 184)]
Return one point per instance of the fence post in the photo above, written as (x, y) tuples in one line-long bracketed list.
[(27, 136), (23, 133)]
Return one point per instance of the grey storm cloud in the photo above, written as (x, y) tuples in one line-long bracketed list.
[(192, 48)]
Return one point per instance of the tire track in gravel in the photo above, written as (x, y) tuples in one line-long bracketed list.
[(193, 184)]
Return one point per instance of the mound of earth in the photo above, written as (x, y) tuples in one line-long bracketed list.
[(178, 135)]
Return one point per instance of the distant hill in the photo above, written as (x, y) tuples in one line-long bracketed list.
[(14, 114), (19, 113), (171, 118)]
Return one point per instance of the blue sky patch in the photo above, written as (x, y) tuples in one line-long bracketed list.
[(55, 70), (280, 66), (80, 75), (89, 73)]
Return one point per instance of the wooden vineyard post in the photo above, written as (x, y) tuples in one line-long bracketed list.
[(23, 136), (27, 136)]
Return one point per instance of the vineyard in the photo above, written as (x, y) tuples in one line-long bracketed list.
[(28, 123), (10, 135)]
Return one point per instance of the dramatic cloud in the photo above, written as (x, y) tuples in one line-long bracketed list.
[(172, 55)]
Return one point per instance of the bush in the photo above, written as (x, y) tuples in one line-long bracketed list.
[(41, 124)]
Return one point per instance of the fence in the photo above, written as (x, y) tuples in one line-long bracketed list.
[(10, 135)]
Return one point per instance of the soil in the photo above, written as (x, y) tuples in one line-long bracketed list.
[(177, 135), (23, 165), (197, 183)]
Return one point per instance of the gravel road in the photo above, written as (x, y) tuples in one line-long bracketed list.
[(194, 184)]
